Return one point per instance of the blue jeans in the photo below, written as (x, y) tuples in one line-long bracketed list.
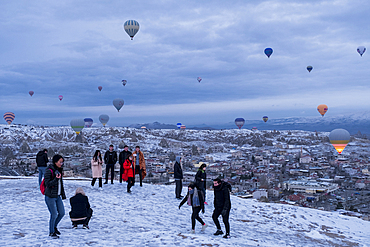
[(41, 174), (56, 209)]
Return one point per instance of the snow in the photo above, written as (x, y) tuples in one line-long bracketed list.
[(150, 217)]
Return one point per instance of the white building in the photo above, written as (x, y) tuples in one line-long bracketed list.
[(260, 193)]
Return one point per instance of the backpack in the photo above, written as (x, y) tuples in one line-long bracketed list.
[(42, 185)]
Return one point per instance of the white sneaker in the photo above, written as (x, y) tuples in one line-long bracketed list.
[(100, 188), (204, 227), (192, 231)]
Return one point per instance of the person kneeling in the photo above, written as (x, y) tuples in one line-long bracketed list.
[(81, 212)]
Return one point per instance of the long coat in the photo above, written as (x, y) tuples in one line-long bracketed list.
[(129, 169), (96, 168), (141, 163)]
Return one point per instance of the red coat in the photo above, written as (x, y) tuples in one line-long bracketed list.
[(129, 170)]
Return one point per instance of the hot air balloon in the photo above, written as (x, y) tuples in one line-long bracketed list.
[(265, 118), (124, 82), (88, 122), (9, 117), (131, 27), (60, 97), (183, 127), (268, 52), (322, 109), (178, 125), (239, 122), (100, 88), (77, 125), (118, 103), (254, 128), (104, 119), (361, 50), (199, 79), (339, 138), (31, 93), (309, 68)]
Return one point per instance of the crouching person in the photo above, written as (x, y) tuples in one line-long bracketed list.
[(80, 209)]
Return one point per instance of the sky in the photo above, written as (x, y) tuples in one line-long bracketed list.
[(70, 48)]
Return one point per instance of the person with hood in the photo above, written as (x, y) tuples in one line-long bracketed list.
[(222, 205), (122, 158), (54, 194), (42, 162), (200, 179), (80, 209), (195, 199), (139, 162), (96, 168), (178, 177), (129, 173), (110, 159)]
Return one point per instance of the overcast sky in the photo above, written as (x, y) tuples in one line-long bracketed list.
[(72, 47)]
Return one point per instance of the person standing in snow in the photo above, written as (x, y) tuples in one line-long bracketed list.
[(195, 199), (200, 179), (122, 158), (96, 168), (110, 159), (222, 205), (129, 173), (54, 194), (178, 177), (139, 162), (42, 162), (80, 209)]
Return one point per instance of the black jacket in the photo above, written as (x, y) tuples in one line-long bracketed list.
[(201, 199), (110, 157), (123, 156), (177, 171), (222, 196), (51, 182), (80, 206), (198, 179), (42, 159)]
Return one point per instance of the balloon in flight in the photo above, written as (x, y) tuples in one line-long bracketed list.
[(361, 50), (9, 117), (104, 119), (77, 125), (100, 88), (339, 138), (309, 68), (268, 52), (88, 122), (124, 82), (322, 109), (60, 97), (239, 122), (265, 118), (118, 103), (178, 125), (131, 27), (199, 79), (182, 127), (31, 93)]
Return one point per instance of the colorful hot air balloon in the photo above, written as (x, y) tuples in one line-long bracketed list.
[(309, 68), (265, 118), (9, 117), (178, 125), (254, 128), (268, 52), (88, 122), (339, 138), (124, 82), (104, 119), (118, 103), (361, 50), (77, 125), (100, 88), (199, 79), (131, 27), (60, 97), (183, 127), (239, 122), (31, 93), (322, 109)]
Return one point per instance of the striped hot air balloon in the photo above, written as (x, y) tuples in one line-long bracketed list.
[(339, 138), (239, 122), (131, 27), (9, 117), (88, 122), (265, 118), (179, 125), (77, 125)]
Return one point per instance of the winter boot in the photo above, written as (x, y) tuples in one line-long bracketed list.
[(226, 235), (218, 232)]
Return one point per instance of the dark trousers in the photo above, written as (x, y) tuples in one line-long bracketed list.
[(121, 170), (138, 171), (109, 167), (178, 188), (100, 182), (130, 183), (195, 216), (85, 221), (225, 219)]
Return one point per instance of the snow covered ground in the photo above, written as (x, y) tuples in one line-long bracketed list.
[(150, 217)]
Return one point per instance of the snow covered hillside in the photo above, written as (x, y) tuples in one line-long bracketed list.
[(150, 217)]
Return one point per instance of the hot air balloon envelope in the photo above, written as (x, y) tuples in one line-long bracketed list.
[(124, 82), (9, 117), (254, 128), (239, 122), (265, 118), (104, 119), (361, 50), (268, 52), (77, 125), (60, 97), (183, 127), (339, 138), (131, 27), (322, 109), (88, 122), (31, 93), (100, 88), (199, 79), (178, 125), (118, 103), (309, 68)]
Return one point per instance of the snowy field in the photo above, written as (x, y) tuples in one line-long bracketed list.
[(150, 217)]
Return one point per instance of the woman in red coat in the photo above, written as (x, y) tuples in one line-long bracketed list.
[(129, 173)]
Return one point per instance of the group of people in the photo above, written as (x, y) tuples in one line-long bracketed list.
[(130, 164)]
